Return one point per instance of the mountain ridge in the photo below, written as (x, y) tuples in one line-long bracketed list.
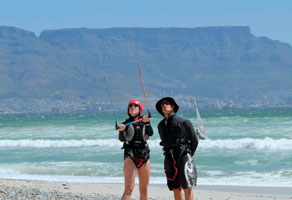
[(69, 64)]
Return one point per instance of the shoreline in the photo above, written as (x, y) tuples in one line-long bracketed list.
[(10, 189)]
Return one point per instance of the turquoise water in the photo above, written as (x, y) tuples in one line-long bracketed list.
[(245, 147)]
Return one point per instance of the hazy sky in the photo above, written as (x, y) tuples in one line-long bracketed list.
[(271, 18)]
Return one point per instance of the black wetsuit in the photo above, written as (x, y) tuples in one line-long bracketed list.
[(179, 142), (135, 145)]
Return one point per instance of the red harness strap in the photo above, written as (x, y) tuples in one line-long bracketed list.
[(139, 161), (174, 166)]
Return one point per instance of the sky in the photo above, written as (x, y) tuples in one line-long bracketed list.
[(269, 18)]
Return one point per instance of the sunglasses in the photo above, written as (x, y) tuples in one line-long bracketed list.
[(165, 103), (133, 105)]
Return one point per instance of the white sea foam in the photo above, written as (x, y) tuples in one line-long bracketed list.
[(258, 144), (57, 131), (60, 143), (240, 179), (67, 143), (73, 168), (246, 162), (251, 178), (102, 172)]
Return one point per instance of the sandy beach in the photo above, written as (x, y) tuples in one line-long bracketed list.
[(24, 189)]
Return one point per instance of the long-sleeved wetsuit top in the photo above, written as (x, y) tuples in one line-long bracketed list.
[(177, 130)]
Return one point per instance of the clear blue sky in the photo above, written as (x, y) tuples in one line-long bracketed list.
[(271, 18)]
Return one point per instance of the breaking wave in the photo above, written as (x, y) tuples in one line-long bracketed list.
[(250, 143)]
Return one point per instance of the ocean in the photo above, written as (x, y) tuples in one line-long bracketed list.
[(246, 147)]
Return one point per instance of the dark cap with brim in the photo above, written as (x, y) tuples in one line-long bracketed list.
[(170, 100)]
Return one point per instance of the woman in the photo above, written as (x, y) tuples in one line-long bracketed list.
[(136, 150)]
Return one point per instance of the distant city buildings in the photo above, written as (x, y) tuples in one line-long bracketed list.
[(16, 106)]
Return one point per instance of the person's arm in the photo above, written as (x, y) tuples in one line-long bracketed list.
[(192, 136), (122, 132), (161, 134), (148, 127), (126, 133)]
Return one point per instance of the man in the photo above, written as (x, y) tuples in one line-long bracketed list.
[(179, 142)]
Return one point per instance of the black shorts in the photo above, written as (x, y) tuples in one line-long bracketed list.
[(180, 175)]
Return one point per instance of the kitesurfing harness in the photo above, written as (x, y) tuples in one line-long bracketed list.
[(137, 151), (173, 156)]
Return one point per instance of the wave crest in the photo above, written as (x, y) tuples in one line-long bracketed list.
[(248, 143), (244, 143), (59, 143)]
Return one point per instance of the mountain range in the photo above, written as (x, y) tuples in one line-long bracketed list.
[(76, 64)]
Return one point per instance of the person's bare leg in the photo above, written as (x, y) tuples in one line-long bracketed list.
[(189, 195), (177, 194), (129, 175), (144, 175)]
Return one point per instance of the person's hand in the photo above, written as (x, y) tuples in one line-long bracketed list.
[(122, 127), (145, 118)]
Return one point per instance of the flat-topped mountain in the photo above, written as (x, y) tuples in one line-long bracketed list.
[(70, 64)]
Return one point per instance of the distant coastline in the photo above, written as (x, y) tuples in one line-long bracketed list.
[(51, 106)]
